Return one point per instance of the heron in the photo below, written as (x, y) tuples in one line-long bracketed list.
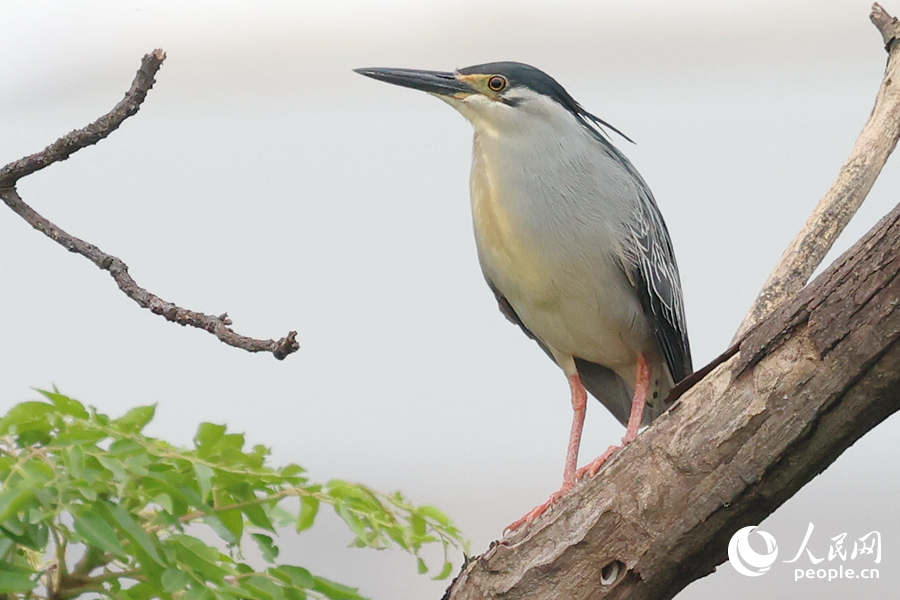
[(571, 242)]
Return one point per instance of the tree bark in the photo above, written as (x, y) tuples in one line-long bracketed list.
[(776, 409)]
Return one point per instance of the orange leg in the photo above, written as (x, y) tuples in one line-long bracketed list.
[(579, 405), (638, 403), (579, 408)]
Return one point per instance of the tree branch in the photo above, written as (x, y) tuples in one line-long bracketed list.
[(875, 143), (819, 368), (87, 136)]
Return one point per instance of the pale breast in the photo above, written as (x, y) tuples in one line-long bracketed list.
[(557, 268)]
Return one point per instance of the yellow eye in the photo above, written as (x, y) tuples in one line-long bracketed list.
[(497, 83)]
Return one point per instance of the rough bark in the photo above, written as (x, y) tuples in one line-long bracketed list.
[(812, 372)]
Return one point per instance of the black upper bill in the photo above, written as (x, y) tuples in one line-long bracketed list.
[(434, 82)]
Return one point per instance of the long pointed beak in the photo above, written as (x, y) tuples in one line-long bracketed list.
[(433, 82)]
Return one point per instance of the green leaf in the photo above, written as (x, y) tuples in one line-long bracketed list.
[(198, 593), (6, 545), (126, 446), (13, 498), (257, 515), (136, 419), (66, 405), (129, 527), (262, 587), (356, 525), (292, 471), (87, 492), (30, 536), (174, 580), (336, 591), (73, 460), (27, 416), (15, 581), (198, 556), (234, 521), (266, 546), (296, 576), (115, 466), (421, 566), (295, 594), (207, 435), (204, 479), (222, 530), (445, 571), (140, 591), (418, 525), (74, 471), (435, 515), (165, 501), (309, 508), (97, 532)]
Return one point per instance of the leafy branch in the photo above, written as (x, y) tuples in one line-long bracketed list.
[(89, 504)]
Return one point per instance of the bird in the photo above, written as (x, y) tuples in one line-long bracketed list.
[(571, 243)]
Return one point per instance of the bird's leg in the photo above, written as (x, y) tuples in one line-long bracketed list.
[(579, 408), (638, 403), (579, 405)]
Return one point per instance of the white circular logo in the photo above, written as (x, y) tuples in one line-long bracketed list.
[(744, 559)]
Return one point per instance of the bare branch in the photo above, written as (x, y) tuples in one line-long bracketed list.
[(93, 133), (873, 146), (67, 145)]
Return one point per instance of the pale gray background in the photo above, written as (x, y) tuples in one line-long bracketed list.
[(264, 178)]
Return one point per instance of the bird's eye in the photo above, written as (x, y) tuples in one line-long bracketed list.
[(497, 83)]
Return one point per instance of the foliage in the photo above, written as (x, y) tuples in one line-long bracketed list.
[(90, 505)]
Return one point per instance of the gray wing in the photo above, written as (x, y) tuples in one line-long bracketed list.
[(652, 269), (650, 259)]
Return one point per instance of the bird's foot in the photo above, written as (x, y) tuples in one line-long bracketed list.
[(537, 511), (591, 469)]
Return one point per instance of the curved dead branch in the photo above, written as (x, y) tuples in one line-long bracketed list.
[(875, 143), (87, 136)]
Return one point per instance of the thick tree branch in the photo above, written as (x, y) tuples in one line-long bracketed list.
[(93, 133), (873, 146), (819, 368)]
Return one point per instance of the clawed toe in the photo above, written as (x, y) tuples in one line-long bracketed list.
[(591, 469), (537, 511)]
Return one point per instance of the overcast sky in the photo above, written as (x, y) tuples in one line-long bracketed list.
[(263, 178)]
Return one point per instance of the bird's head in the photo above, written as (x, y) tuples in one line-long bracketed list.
[(498, 97)]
